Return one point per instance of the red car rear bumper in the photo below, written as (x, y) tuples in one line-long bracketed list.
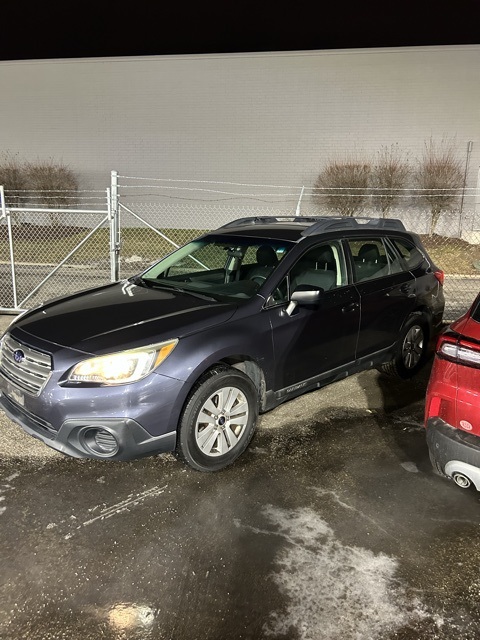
[(446, 443)]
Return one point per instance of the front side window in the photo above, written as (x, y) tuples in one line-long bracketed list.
[(322, 266), (373, 258), (219, 267)]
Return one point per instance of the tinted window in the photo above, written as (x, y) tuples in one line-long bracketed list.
[(476, 311)]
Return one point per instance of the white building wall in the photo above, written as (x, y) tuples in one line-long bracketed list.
[(271, 118)]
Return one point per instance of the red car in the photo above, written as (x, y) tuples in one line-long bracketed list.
[(452, 413)]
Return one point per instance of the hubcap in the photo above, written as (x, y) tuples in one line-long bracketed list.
[(412, 349), (221, 421)]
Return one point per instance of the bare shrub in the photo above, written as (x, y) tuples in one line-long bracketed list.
[(390, 175), (13, 178), (52, 185), (343, 185), (440, 177)]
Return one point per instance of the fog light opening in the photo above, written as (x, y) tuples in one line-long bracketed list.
[(100, 441)]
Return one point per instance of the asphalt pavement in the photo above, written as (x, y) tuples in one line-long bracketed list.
[(332, 526)]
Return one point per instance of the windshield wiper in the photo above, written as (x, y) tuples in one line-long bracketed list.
[(154, 284)]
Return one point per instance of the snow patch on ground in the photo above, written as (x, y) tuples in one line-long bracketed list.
[(411, 467), (5, 486), (334, 591)]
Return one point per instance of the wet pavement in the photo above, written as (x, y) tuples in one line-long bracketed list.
[(331, 526)]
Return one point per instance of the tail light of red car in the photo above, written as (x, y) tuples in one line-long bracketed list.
[(459, 350)]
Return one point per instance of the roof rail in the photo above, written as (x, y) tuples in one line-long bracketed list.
[(320, 224), (240, 222), (329, 223)]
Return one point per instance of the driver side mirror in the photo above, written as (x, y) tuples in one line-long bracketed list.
[(304, 294)]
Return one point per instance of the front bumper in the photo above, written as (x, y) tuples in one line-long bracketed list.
[(447, 444), (75, 436)]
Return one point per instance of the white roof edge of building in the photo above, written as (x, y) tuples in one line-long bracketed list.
[(248, 54)]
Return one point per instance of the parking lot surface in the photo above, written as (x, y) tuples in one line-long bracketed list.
[(331, 526)]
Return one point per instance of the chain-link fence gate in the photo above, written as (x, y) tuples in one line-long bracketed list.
[(50, 252), (46, 253)]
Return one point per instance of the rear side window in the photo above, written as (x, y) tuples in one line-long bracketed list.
[(476, 311), (373, 258), (409, 252)]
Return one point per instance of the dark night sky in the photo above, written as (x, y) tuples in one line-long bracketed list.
[(77, 30)]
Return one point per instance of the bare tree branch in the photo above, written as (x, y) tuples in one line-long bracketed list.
[(343, 185), (389, 177), (440, 176)]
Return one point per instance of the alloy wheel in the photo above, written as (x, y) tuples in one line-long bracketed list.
[(412, 348), (221, 421)]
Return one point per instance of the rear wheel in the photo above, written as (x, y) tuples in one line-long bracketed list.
[(412, 348), (218, 420)]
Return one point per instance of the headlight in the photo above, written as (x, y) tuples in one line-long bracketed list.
[(124, 366)]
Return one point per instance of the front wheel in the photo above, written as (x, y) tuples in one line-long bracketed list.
[(412, 348), (218, 420)]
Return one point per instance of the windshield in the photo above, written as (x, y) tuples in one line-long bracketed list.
[(220, 268)]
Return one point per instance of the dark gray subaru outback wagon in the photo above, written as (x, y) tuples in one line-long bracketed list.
[(183, 356)]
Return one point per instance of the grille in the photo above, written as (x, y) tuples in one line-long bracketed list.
[(30, 371)]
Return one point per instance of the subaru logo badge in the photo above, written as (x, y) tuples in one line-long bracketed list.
[(18, 356)]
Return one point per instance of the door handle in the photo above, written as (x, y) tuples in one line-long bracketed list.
[(350, 307)]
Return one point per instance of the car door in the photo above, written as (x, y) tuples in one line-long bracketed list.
[(387, 292), (315, 339)]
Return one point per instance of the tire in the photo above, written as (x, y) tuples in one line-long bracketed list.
[(412, 348), (218, 420)]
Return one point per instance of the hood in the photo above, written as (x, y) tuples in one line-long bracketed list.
[(121, 316)]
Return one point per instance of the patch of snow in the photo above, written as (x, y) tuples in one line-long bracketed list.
[(334, 591), (410, 466)]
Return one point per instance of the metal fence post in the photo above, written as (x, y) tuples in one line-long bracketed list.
[(114, 217), (476, 205), (6, 215), (467, 164), (297, 210)]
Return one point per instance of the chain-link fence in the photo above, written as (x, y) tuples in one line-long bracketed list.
[(158, 216), (46, 253), (109, 235)]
